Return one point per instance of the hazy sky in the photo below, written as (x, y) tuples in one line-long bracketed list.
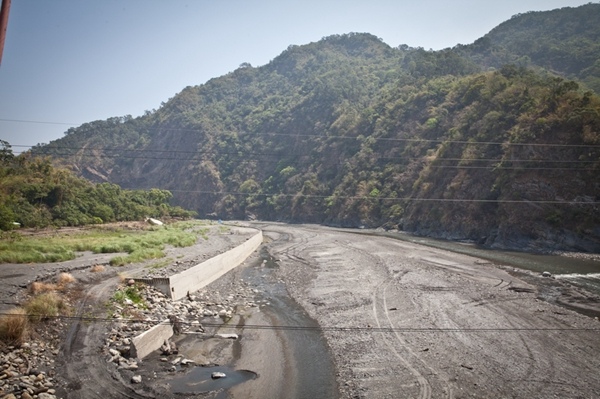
[(67, 62)]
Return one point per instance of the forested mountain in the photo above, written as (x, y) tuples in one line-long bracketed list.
[(565, 41), (350, 131)]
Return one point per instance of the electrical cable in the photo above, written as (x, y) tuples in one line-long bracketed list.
[(310, 328)]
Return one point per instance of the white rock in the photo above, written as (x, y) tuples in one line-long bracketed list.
[(227, 336)]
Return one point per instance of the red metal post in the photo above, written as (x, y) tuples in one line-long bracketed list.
[(3, 24)]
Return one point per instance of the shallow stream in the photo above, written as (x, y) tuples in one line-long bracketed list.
[(315, 373)]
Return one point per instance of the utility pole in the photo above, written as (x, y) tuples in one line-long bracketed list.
[(3, 24)]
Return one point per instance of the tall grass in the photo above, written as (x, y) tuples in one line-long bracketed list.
[(137, 256), (138, 244), (45, 306), (14, 327), (29, 251)]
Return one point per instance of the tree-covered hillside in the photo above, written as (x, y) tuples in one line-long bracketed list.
[(350, 131), (565, 41)]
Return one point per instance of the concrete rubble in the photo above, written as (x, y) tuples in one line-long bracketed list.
[(192, 313)]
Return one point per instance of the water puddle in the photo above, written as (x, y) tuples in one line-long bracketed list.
[(200, 380)]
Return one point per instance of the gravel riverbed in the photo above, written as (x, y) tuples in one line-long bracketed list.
[(399, 320)]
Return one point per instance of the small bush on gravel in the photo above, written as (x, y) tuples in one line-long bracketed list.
[(38, 287), (64, 279), (14, 327), (128, 295), (97, 269), (131, 293), (46, 305)]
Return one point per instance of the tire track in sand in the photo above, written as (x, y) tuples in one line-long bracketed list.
[(425, 387)]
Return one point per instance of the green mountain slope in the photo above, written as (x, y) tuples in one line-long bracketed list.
[(565, 41), (349, 131)]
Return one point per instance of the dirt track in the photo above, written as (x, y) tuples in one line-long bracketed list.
[(428, 323)]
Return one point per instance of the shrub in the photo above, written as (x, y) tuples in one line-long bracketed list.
[(14, 327), (37, 288), (97, 269), (64, 279), (46, 305), (131, 293)]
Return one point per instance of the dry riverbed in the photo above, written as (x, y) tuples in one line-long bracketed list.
[(399, 319), (404, 320)]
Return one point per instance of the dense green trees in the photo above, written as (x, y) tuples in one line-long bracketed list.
[(563, 41), (33, 193)]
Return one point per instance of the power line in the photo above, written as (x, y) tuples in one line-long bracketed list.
[(245, 153), (366, 197), (407, 199), (259, 157), (39, 122), (331, 136), (310, 328)]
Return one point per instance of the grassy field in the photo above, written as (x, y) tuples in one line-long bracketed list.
[(131, 245)]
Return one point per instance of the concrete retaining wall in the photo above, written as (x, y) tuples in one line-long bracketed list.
[(149, 341), (191, 280), (208, 271), (160, 283)]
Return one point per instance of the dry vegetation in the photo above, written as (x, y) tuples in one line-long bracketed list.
[(97, 269), (62, 282), (46, 305), (38, 287), (64, 279), (46, 300), (14, 327)]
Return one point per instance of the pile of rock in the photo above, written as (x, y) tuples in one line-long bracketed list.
[(21, 374), (187, 316)]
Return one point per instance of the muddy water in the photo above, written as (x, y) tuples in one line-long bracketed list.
[(315, 375), (200, 379)]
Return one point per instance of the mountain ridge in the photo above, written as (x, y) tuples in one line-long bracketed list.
[(350, 131)]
